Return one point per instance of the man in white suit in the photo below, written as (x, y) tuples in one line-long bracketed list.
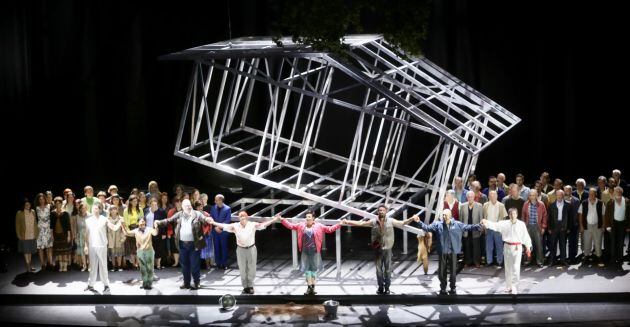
[(515, 236)]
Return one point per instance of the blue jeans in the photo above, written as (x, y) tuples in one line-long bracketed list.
[(383, 262), (220, 247), (189, 258), (494, 242)]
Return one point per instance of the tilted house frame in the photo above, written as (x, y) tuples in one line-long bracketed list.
[(390, 106)]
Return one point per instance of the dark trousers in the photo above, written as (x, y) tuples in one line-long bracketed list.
[(220, 241), (448, 262), (573, 243), (472, 250), (546, 242), (607, 246), (618, 236), (190, 259), (534, 234), (558, 237), (483, 247)]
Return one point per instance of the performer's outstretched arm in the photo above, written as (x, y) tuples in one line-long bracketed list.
[(225, 227), (266, 223), (427, 228), (401, 223), (361, 223), (286, 223)]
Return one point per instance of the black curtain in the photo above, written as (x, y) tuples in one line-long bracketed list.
[(87, 102)]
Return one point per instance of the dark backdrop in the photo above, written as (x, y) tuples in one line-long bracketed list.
[(85, 100)]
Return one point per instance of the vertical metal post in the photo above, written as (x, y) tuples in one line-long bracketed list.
[(321, 213), (273, 210), (405, 234), (338, 252), (294, 249)]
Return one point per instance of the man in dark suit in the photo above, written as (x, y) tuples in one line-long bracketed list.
[(573, 224), (559, 216)]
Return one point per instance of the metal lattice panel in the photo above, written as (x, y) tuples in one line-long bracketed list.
[(390, 106)]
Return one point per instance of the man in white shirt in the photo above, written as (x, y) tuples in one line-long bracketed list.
[(515, 236), (245, 232), (617, 224), (96, 245), (189, 241), (590, 217)]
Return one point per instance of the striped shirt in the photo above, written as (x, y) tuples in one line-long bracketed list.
[(533, 213)]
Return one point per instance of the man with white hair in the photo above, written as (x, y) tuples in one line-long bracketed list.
[(448, 235), (559, 212), (494, 211), (616, 174), (222, 214), (189, 241), (591, 217), (471, 213), (515, 237), (580, 190)]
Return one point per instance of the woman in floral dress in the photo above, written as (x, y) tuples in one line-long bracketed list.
[(45, 237)]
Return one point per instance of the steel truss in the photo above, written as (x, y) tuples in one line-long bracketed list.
[(390, 108)]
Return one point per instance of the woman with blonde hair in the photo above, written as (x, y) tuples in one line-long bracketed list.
[(79, 233), (153, 191)]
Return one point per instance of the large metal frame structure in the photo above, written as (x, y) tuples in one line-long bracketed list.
[(391, 107)]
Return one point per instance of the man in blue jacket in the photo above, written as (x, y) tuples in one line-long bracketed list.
[(448, 232), (221, 213)]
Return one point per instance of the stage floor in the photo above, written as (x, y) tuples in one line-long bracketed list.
[(275, 276), (59, 298), (585, 314)]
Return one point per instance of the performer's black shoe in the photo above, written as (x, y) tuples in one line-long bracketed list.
[(251, 290), (245, 290), (195, 287), (442, 292), (452, 292), (380, 290), (90, 288), (184, 287), (386, 291), (106, 289), (310, 290)]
